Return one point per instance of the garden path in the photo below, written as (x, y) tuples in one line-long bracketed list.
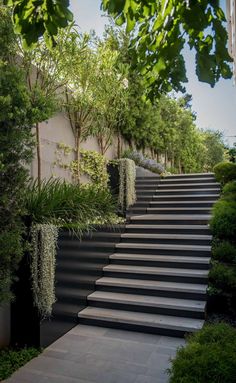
[(90, 354)]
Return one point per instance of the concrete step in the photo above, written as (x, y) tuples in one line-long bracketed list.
[(188, 191), (149, 304), (152, 287), (168, 229), (164, 249), (154, 273), (188, 180), (189, 175), (178, 261), (184, 197), (176, 203), (175, 210), (186, 239), (166, 219), (144, 322)]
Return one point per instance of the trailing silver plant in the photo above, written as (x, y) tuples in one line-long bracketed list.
[(44, 243), (127, 172)]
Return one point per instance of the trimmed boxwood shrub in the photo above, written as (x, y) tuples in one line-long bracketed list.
[(208, 357), (223, 277), (229, 191), (225, 172), (223, 221), (224, 251)]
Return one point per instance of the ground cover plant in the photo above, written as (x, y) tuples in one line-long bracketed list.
[(208, 357), (11, 360)]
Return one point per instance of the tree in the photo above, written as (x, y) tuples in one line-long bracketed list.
[(214, 144), (16, 143), (161, 29)]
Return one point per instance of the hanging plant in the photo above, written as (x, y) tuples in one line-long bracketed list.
[(127, 172), (44, 242)]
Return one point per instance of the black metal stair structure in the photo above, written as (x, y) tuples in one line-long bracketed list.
[(156, 280)]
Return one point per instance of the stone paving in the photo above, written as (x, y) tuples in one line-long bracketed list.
[(89, 354)]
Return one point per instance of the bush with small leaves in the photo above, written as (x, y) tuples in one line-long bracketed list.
[(225, 172), (223, 221), (229, 191), (223, 277), (224, 252), (208, 357)]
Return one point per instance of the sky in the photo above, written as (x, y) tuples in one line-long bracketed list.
[(215, 107)]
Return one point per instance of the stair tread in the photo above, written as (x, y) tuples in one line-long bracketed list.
[(150, 284), (155, 270), (203, 179), (184, 190), (191, 174), (160, 258), (146, 300), (166, 236), (174, 208), (171, 217), (192, 184), (157, 246), (143, 319), (186, 196), (146, 226), (180, 202)]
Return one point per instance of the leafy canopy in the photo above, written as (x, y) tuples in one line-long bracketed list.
[(162, 28)]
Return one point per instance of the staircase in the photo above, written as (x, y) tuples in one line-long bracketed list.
[(156, 280)]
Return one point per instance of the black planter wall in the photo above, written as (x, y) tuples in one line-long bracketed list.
[(79, 265)]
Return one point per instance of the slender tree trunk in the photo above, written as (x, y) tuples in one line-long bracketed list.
[(77, 158), (39, 167), (118, 145)]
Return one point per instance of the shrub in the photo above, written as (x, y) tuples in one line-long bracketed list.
[(223, 221), (12, 360), (63, 204), (224, 251), (144, 162), (209, 356), (93, 164), (223, 277), (229, 191), (225, 172)]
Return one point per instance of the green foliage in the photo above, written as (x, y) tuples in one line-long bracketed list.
[(223, 277), (43, 263), (229, 191), (224, 251), (93, 164), (42, 18), (209, 356), (127, 177), (16, 151), (225, 172), (162, 29), (223, 221), (66, 204), (11, 360)]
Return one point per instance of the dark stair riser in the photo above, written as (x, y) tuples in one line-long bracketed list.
[(189, 175), (192, 192), (180, 197), (174, 230), (157, 277), (178, 211), (190, 204), (181, 265), (171, 241), (163, 251), (188, 181), (169, 221), (88, 245), (154, 292), (132, 327), (75, 255), (147, 309)]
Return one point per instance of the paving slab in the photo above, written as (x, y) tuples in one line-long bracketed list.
[(90, 354)]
